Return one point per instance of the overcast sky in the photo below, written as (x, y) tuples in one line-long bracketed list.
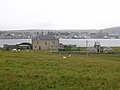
[(59, 14)]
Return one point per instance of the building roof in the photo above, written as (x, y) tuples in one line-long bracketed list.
[(45, 37), (23, 45)]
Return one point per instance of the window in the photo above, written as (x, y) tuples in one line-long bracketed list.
[(45, 43), (53, 42), (37, 42), (35, 46)]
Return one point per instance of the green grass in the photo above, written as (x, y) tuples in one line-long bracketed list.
[(82, 48), (42, 70), (116, 49)]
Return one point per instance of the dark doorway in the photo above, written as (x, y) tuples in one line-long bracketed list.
[(39, 48)]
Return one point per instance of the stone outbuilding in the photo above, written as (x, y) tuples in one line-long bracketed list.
[(108, 50), (100, 49), (21, 46), (45, 42), (97, 46)]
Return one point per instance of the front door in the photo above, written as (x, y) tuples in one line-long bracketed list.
[(39, 48)]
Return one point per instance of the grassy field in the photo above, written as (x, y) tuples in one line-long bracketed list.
[(116, 49), (42, 70)]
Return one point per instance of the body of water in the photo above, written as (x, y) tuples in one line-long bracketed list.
[(78, 42), (13, 41), (90, 42)]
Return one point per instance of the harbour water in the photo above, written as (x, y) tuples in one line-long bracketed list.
[(90, 42), (78, 42), (13, 41)]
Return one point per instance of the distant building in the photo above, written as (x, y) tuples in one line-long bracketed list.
[(61, 46), (9, 47), (108, 50), (21, 46), (97, 46), (70, 46), (99, 49), (45, 42), (25, 46)]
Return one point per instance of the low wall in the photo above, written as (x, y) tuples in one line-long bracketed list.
[(73, 52), (77, 52)]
